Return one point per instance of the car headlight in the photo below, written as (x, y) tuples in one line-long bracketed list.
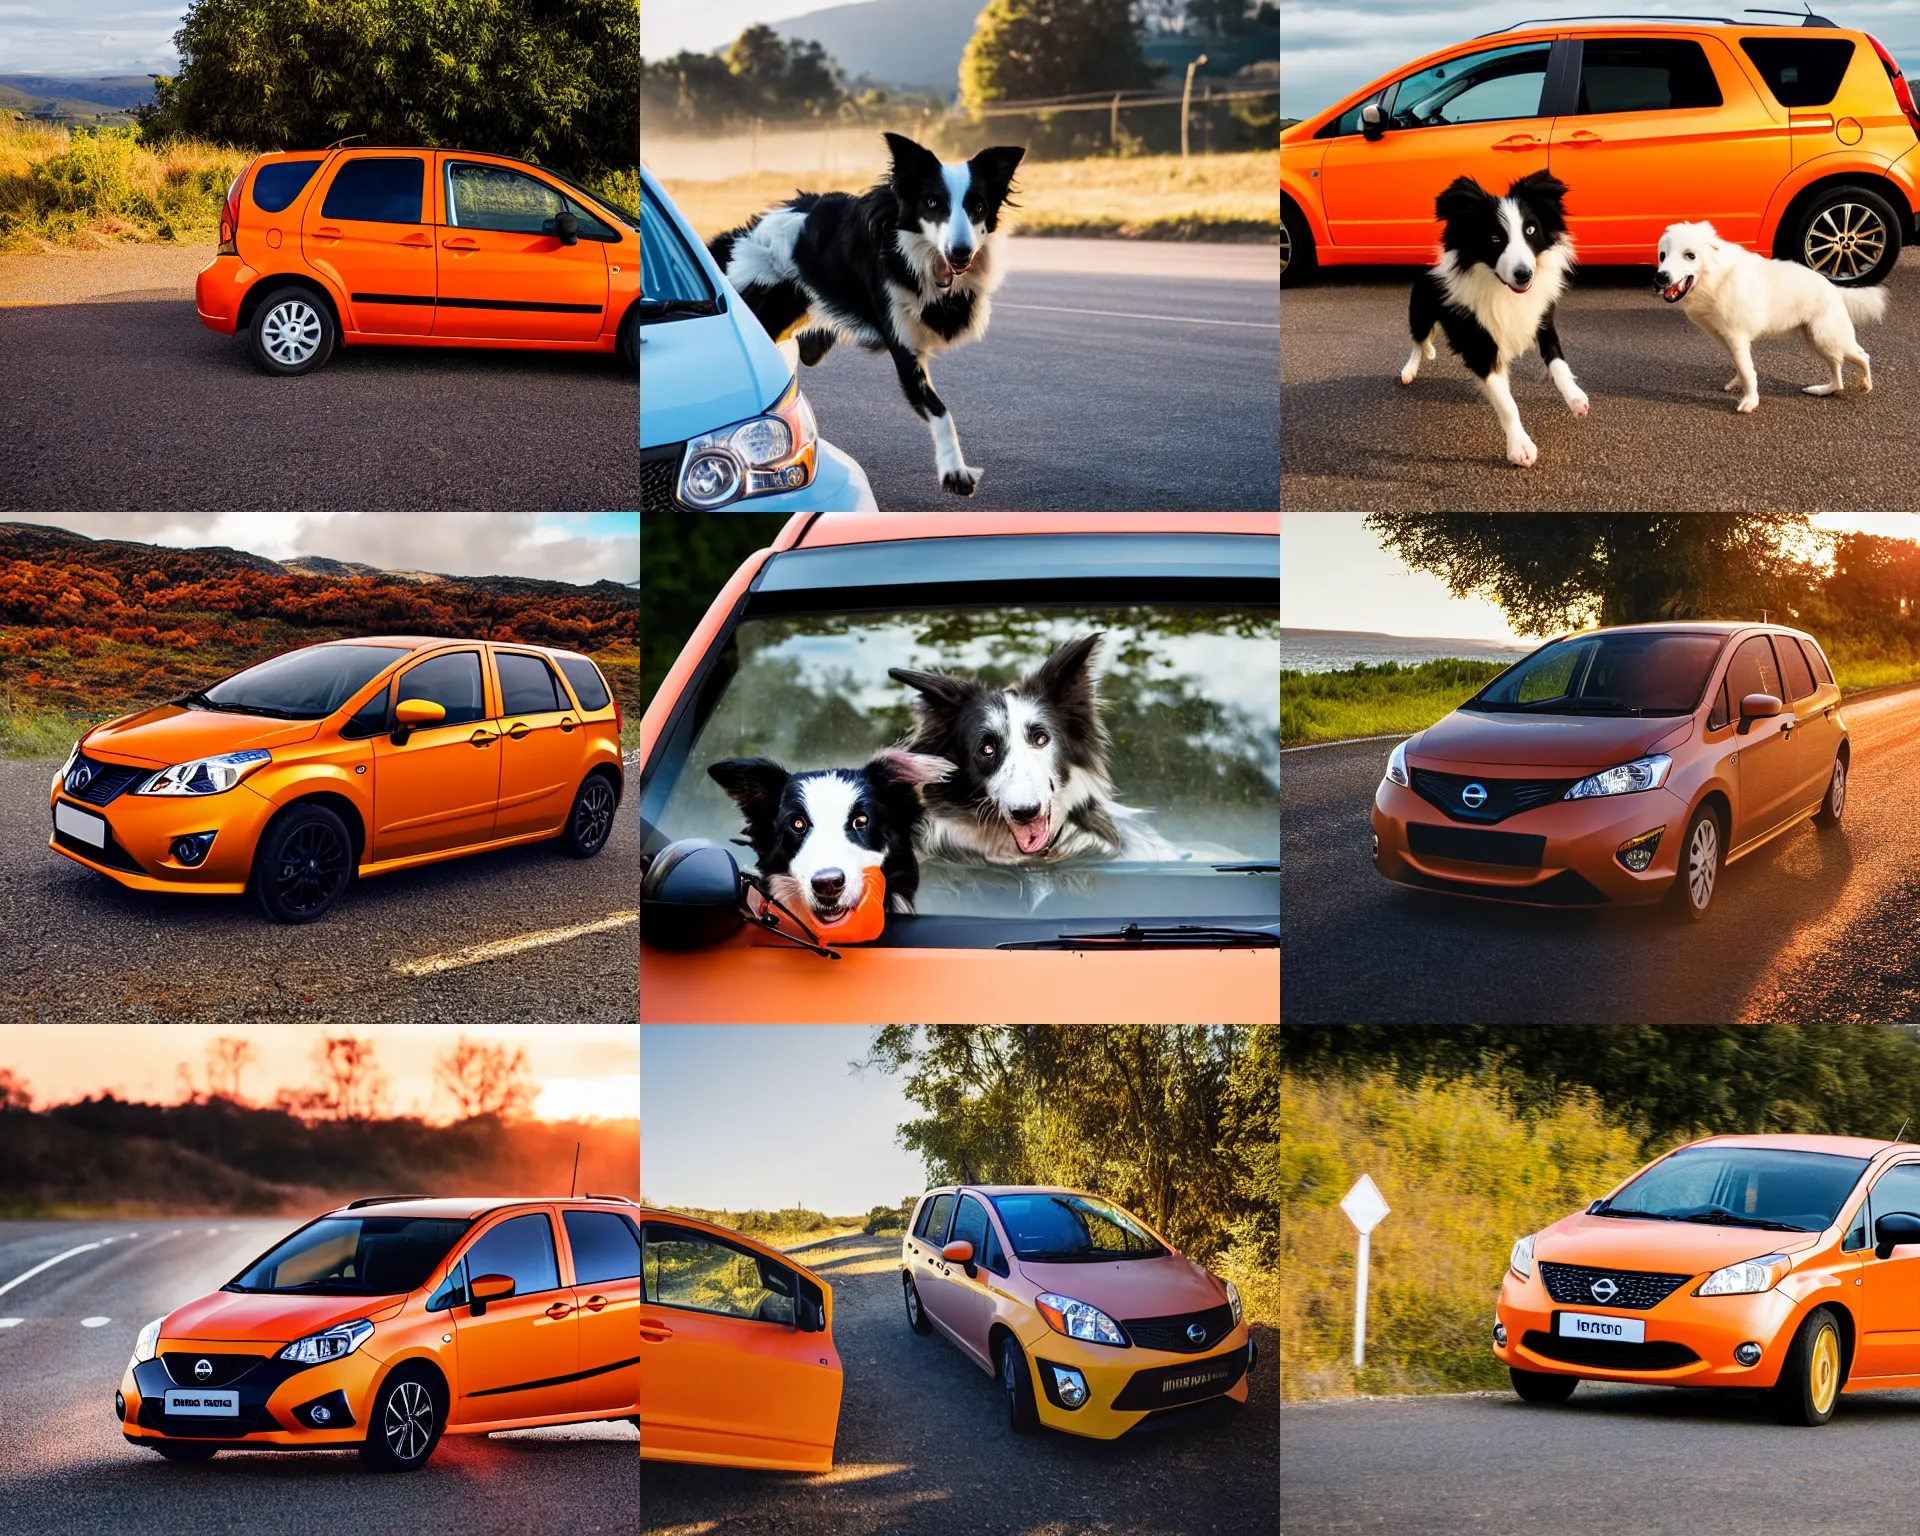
[(757, 457), (1397, 764), (147, 1345), (1744, 1279), (205, 775), (336, 1343), (1078, 1320), (1520, 1261), (1233, 1300), (1627, 779), (67, 767)]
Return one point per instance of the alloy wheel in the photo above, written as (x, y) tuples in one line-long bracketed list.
[(310, 868), (291, 332), (1825, 1368), (1703, 861), (409, 1421), (1838, 791), (1845, 242), (913, 1303), (593, 816), (1286, 244)]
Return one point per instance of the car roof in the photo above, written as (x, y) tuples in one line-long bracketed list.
[(1838, 1146), (466, 1207), (811, 530), (425, 642), (1015, 1189), (1632, 23), (1689, 626)]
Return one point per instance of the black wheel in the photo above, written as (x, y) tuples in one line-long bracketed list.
[(1542, 1386), (1848, 234), (1834, 806), (1703, 854), (292, 332), (1016, 1381), (406, 1422), (183, 1450), (1298, 259), (916, 1314), (303, 863), (590, 822), (626, 346), (1813, 1372)]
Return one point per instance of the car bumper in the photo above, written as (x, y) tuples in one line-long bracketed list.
[(1129, 1390), (219, 290), (141, 830), (274, 1396), (1562, 854), (839, 485)]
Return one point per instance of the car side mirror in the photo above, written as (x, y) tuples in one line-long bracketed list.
[(411, 714), (1757, 706), (488, 1288), (1594, 1207), (691, 896), (1373, 122), (567, 227), (960, 1253), (1895, 1229)]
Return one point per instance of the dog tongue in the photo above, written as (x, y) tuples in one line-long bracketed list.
[(1032, 835), (942, 271)]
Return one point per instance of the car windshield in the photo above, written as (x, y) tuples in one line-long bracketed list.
[(670, 275), (1609, 673), (1073, 1229), (355, 1256), (1742, 1187), (301, 685), (1187, 694)]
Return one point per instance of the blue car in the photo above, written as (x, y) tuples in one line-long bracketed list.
[(722, 420)]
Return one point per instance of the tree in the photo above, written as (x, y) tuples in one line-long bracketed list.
[(1876, 582), (684, 563), (227, 1060), (483, 1079), (352, 1086), (1022, 49), (14, 1093)]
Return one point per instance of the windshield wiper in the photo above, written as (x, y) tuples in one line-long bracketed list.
[(1255, 868), (196, 700), (1163, 936), (1650, 1215), (665, 309), (257, 709), (1719, 1218)]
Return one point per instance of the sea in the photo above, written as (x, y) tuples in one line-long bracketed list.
[(1334, 650)]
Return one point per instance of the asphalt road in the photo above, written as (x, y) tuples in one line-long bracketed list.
[(1816, 926), (1613, 1461), (1076, 400), (75, 947), (1661, 435), (64, 1466), (924, 1446)]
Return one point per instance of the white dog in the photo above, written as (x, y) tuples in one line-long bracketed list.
[(1738, 298)]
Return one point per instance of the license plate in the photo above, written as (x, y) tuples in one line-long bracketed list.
[(84, 825), (204, 1405), (1596, 1325)]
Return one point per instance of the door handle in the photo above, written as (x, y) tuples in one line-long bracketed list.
[(482, 738), (658, 1333), (327, 233), (461, 243), (519, 730), (595, 1303), (558, 1310), (1518, 141), (418, 241), (568, 723), (1583, 138)]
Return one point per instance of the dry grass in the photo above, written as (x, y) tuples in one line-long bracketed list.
[(1221, 197), (81, 192)]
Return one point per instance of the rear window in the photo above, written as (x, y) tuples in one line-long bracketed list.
[(279, 184), (589, 687), (1817, 661), (934, 1225), (386, 191), (526, 686), (1645, 74), (1799, 675), (1800, 71)]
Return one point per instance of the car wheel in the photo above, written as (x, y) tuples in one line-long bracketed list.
[(916, 1314), (1811, 1378), (1849, 235), (1702, 857), (590, 822), (292, 332), (303, 863), (1542, 1386), (626, 346), (1016, 1381), (184, 1451), (1835, 805), (1298, 259), (405, 1424)]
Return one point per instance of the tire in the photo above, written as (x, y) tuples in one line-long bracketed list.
[(176, 1450), (1298, 258), (1703, 855), (1016, 1385), (406, 1422), (1813, 1373), (590, 822), (917, 1318), (1542, 1386), (303, 864), (292, 332), (1848, 234), (626, 346), (1834, 806)]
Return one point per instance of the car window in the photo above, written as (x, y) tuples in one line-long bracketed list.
[(1856, 1237), (1898, 1189), (354, 1256), (1065, 1228), (995, 1257), (1800, 71), (935, 1229), (520, 1248), (493, 197), (377, 191), (1742, 1185), (307, 684), (684, 1268), (1484, 87), (1623, 672), (1753, 670), (526, 685), (970, 1224), (451, 681), (1645, 74), (668, 270), (370, 719), (589, 687), (277, 185), (605, 1246), (1722, 712), (1817, 661), (1793, 667)]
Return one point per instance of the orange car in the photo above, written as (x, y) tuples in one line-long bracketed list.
[(394, 1320), (1794, 141), (736, 1345), (418, 248), (795, 662), (356, 757), (1786, 1263), (1618, 765), (1122, 1332)]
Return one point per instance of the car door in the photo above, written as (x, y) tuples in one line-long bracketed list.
[(1664, 130), (726, 1373), (605, 1248), (505, 273), (1766, 764), (1886, 1297), (436, 786), (367, 230), (959, 1296), (1477, 114), (928, 1237), (540, 746), (519, 1357), (1816, 735)]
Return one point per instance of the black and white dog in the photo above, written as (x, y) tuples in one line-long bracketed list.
[(1504, 262), (816, 834), (1030, 783), (907, 268)]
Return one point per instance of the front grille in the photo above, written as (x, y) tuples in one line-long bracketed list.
[(1518, 849), (1572, 1285), (659, 474), (226, 1368), (106, 782), (1504, 797), (1170, 1333), (1566, 889), (1610, 1354), (1171, 1386)]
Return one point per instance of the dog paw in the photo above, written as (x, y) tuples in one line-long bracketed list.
[(962, 481), (1748, 405), (1732, 384), (1577, 403), (1520, 450), (1428, 351), (1408, 374), (1821, 389)]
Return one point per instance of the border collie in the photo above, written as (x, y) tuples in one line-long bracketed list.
[(1504, 262), (907, 268), (1738, 298), (816, 834), (1031, 783)]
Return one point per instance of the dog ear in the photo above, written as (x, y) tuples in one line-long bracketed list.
[(1540, 188), (1066, 676), (755, 783), (894, 765), (1462, 196), (937, 689), (911, 161), (993, 169)]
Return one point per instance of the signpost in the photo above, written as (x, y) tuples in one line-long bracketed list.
[(1366, 1208)]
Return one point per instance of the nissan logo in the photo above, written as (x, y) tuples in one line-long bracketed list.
[(203, 1370), (1604, 1290), (1197, 1332), (80, 778), (1474, 796)]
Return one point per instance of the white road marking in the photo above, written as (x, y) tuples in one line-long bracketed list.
[(473, 954), (1347, 741), (11, 1322), (95, 1322), (1124, 314), (56, 1259)]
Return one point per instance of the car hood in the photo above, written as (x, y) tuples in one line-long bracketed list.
[(234, 1317), (172, 734), (1670, 1247), (707, 372), (1588, 743), (1126, 1288)]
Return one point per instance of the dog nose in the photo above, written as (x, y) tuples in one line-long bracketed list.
[(1023, 812), (1523, 274), (960, 257), (829, 883)]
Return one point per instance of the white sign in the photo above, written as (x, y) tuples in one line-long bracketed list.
[(1366, 1208)]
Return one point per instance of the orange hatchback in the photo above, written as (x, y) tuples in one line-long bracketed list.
[(1795, 141), (394, 1320), (357, 757), (418, 248)]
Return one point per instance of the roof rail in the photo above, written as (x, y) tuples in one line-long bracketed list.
[(1807, 19), (354, 1205), (618, 1199)]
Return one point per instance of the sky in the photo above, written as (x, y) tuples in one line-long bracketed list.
[(668, 27), (1329, 48), (584, 1071), (1334, 575), (740, 1117), (578, 547), (88, 37)]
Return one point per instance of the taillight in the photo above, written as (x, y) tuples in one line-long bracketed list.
[(1902, 92), (230, 219)]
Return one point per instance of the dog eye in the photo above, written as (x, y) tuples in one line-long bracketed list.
[(987, 749), (1689, 255), (799, 823), (1040, 738), (860, 823), (1530, 229)]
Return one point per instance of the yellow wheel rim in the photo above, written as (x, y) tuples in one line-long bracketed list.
[(1826, 1368)]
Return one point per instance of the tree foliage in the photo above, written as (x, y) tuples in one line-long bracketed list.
[(1023, 49), (484, 1079), (684, 561), (759, 74)]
